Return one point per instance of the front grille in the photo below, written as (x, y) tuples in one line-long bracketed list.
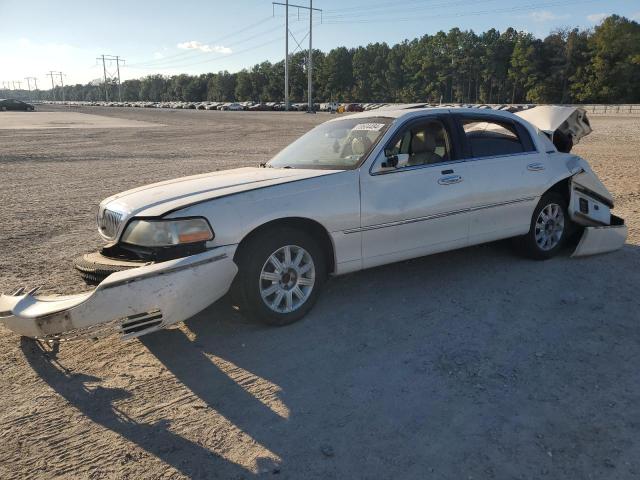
[(109, 222)]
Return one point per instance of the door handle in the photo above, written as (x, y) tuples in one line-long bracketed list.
[(450, 180), (535, 167)]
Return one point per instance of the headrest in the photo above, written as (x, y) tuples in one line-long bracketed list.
[(360, 145), (423, 141)]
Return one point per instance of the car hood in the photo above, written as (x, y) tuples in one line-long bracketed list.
[(160, 198)]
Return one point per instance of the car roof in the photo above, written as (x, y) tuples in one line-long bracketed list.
[(410, 112)]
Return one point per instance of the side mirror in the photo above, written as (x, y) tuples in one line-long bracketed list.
[(398, 160)]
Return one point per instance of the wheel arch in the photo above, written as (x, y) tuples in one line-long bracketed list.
[(313, 227), (562, 187)]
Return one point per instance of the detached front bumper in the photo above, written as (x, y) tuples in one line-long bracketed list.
[(134, 302)]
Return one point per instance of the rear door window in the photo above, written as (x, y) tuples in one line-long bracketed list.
[(487, 137)]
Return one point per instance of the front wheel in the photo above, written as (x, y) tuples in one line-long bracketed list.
[(550, 224), (280, 276)]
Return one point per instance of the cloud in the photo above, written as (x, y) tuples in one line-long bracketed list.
[(597, 17), (158, 55), (203, 47), (635, 16), (545, 16)]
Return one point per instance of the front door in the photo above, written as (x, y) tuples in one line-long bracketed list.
[(416, 195)]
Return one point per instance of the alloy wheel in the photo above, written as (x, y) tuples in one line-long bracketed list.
[(549, 226), (287, 279)]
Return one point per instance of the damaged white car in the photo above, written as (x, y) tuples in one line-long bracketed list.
[(353, 193)]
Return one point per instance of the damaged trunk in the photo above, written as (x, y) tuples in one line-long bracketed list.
[(564, 126)]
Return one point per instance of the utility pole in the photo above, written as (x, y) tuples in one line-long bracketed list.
[(118, 60), (286, 57), (310, 63), (104, 69), (286, 46), (61, 83), (53, 87), (119, 84)]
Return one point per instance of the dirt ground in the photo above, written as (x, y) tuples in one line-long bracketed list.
[(471, 364)]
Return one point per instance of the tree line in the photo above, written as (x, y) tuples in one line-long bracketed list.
[(599, 65)]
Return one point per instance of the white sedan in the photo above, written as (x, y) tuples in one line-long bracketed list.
[(353, 193)]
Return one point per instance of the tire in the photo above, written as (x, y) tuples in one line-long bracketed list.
[(94, 267), (550, 227), (291, 293)]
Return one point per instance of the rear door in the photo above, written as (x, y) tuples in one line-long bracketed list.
[(508, 175)]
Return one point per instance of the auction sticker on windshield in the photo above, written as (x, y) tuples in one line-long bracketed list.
[(370, 127)]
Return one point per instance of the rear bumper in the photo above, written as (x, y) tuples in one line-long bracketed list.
[(604, 239), (132, 302)]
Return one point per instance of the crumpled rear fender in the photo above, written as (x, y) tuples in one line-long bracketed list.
[(134, 302)]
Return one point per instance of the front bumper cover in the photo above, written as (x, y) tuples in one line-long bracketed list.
[(132, 302)]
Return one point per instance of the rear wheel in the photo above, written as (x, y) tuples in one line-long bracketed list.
[(549, 229), (280, 276)]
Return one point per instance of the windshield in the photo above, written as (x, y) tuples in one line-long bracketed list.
[(338, 145)]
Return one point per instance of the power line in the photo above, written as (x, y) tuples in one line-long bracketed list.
[(189, 53), (392, 7), (168, 63), (386, 18), (218, 58), (201, 53)]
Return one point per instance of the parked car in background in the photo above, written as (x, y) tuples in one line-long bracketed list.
[(15, 105), (355, 192), (236, 107)]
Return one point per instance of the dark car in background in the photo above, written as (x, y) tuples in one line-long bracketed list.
[(9, 104)]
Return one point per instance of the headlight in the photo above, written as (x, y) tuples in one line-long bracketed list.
[(166, 233)]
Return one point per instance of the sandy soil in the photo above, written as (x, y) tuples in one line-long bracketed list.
[(470, 364), (53, 120)]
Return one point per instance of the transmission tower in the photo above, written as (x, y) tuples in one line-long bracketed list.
[(111, 75), (287, 32), (54, 74), (61, 84), (35, 81), (53, 86)]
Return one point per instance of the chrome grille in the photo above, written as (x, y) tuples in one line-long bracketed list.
[(108, 222)]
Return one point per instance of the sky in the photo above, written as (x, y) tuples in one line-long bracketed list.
[(187, 36)]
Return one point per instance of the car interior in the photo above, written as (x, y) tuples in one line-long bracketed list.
[(492, 138), (425, 143)]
